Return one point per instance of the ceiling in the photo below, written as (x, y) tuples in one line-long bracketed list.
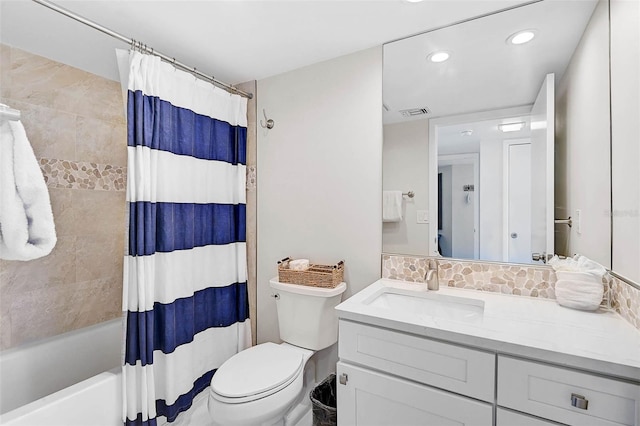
[(452, 140), (235, 41), (484, 72)]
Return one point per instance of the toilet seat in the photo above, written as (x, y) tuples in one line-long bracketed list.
[(256, 373)]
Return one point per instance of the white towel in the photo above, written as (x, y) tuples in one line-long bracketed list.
[(27, 230), (391, 206), (578, 290), (579, 283)]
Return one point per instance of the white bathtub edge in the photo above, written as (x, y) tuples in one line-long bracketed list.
[(104, 389)]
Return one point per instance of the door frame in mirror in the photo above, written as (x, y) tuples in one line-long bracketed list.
[(436, 122)]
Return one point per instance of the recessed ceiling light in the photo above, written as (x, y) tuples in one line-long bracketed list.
[(511, 127), (521, 37), (466, 132), (413, 1), (440, 56)]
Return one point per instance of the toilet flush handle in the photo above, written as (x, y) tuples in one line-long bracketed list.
[(276, 296)]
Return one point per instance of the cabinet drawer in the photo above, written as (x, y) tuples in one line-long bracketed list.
[(461, 370), (546, 391), (370, 398), (511, 418)]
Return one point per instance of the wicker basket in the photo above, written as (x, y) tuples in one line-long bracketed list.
[(327, 276)]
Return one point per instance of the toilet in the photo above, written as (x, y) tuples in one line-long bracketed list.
[(268, 384)]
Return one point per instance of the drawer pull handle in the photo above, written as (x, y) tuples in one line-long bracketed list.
[(343, 379), (579, 401)]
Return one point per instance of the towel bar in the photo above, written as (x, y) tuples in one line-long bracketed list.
[(7, 113)]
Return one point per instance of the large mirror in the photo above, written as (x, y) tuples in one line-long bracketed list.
[(478, 126)]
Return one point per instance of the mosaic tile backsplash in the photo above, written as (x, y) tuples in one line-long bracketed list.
[(252, 178), (626, 301), (519, 280)]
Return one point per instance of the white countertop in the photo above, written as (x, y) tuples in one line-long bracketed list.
[(599, 341)]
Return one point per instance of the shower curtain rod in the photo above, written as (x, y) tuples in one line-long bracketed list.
[(143, 47)]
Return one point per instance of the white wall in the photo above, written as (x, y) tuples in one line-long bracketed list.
[(462, 212), (491, 199), (625, 125), (446, 232), (582, 145), (405, 167), (319, 173)]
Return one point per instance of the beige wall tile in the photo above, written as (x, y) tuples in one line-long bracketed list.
[(56, 269), (44, 312), (5, 70), (102, 301), (250, 86), (51, 311), (99, 212), (59, 104), (251, 225), (51, 132), (41, 81), (99, 257), (63, 212), (104, 304), (38, 80), (100, 141), (5, 322)]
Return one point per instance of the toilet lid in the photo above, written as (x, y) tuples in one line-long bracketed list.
[(256, 370)]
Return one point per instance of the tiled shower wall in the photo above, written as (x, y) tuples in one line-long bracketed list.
[(252, 224), (514, 279), (75, 123)]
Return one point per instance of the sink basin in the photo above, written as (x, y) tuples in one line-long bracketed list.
[(427, 304)]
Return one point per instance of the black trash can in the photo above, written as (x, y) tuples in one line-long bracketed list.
[(323, 400)]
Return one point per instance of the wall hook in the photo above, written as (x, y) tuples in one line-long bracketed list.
[(269, 122)]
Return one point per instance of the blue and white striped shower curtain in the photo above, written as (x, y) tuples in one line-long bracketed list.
[(185, 279)]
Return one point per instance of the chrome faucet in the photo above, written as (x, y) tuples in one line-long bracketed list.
[(431, 277)]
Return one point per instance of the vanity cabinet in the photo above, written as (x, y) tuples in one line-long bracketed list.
[(565, 395), (391, 378), (371, 398), (454, 368), (388, 377), (512, 418)]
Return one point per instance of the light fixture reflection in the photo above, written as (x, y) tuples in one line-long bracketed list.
[(511, 127)]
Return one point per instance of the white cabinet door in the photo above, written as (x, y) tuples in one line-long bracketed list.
[(369, 398)]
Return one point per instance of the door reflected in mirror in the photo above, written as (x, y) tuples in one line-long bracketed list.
[(473, 135)]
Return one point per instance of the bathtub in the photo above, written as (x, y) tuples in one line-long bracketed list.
[(96, 401), (34, 374)]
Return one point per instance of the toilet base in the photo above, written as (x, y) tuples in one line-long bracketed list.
[(303, 404), (268, 410)]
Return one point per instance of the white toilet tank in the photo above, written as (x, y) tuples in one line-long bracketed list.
[(306, 315)]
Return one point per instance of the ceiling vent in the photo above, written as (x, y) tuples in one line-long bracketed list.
[(414, 111)]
